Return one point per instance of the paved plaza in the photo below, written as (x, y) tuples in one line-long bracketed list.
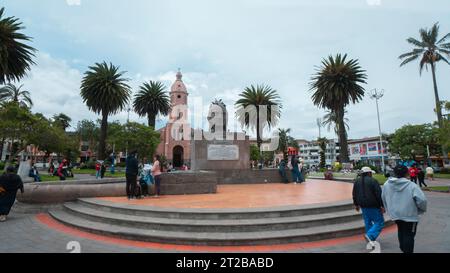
[(39, 233)]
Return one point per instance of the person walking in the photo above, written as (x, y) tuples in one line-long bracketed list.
[(367, 198), (282, 171), (10, 182), (430, 173), (98, 168), (421, 177), (131, 172), (413, 173), (295, 171), (156, 172), (102, 170), (404, 202)]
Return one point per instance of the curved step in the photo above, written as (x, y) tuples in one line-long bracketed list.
[(202, 214), (213, 238), (211, 225)]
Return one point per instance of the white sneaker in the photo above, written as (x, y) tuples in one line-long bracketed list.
[(2, 218), (372, 243)]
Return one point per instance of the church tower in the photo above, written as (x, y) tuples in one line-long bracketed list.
[(175, 137)]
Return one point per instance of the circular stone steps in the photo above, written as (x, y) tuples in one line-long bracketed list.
[(214, 227)]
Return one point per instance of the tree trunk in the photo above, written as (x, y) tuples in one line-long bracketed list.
[(343, 146), (258, 137), (151, 120), (103, 135), (438, 106)]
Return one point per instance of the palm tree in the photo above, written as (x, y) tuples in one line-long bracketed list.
[(152, 100), (322, 141), (283, 143), (254, 99), (62, 120), (11, 93), (430, 50), (336, 84), (105, 92), (330, 120), (15, 56)]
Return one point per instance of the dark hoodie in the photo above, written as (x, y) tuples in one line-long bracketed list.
[(367, 193)]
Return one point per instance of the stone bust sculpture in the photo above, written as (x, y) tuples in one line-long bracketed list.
[(217, 109)]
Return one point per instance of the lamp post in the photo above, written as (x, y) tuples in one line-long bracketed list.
[(376, 95)]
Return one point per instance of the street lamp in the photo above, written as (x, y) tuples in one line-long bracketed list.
[(376, 95)]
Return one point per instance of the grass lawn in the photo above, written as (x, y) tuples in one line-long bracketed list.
[(48, 178), (438, 188), (442, 175), (92, 172)]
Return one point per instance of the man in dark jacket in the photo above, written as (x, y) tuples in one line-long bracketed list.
[(132, 169), (367, 197), (10, 182)]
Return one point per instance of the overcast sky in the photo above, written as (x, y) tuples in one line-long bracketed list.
[(222, 46)]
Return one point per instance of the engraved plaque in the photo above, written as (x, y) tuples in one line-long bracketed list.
[(223, 152)]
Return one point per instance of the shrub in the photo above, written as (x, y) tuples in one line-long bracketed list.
[(445, 171), (2, 166)]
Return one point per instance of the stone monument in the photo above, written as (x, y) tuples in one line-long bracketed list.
[(219, 149)]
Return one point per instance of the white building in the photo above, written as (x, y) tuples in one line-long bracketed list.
[(368, 150), (310, 152)]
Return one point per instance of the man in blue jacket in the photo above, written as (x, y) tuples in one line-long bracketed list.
[(404, 202)]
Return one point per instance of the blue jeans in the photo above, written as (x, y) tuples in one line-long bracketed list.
[(374, 221), (97, 174), (297, 175)]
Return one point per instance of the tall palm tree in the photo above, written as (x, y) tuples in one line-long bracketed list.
[(430, 49), (62, 120), (283, 143), (254, 99), (152, 100), (336, 84), (12, 93), (322, 141), (15, 55), (330, 120), (105, 92)]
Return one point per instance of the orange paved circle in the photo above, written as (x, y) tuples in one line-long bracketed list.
[(252, 196)]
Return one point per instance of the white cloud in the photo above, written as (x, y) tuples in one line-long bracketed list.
[(73, 2)]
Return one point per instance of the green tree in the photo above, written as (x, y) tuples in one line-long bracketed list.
[(151, 100), (283, 142), (62, 120), (330, 121), (336, 84), (431, 50), (105, 92), (411, 140), (254, 152), (16, 125), (251, 101), (11, 93), (135, 136), (46, 136), (322, 141), (16, 57), (88, 131)]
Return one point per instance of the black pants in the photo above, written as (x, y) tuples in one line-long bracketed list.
[(406, 233), (414, 179), (422, 181), (131, 185), (157, 184)]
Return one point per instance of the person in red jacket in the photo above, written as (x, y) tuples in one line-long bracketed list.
[(61, 172), (413, 172), (98, 168)]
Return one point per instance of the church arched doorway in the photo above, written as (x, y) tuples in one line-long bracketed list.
[(178, 155)]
